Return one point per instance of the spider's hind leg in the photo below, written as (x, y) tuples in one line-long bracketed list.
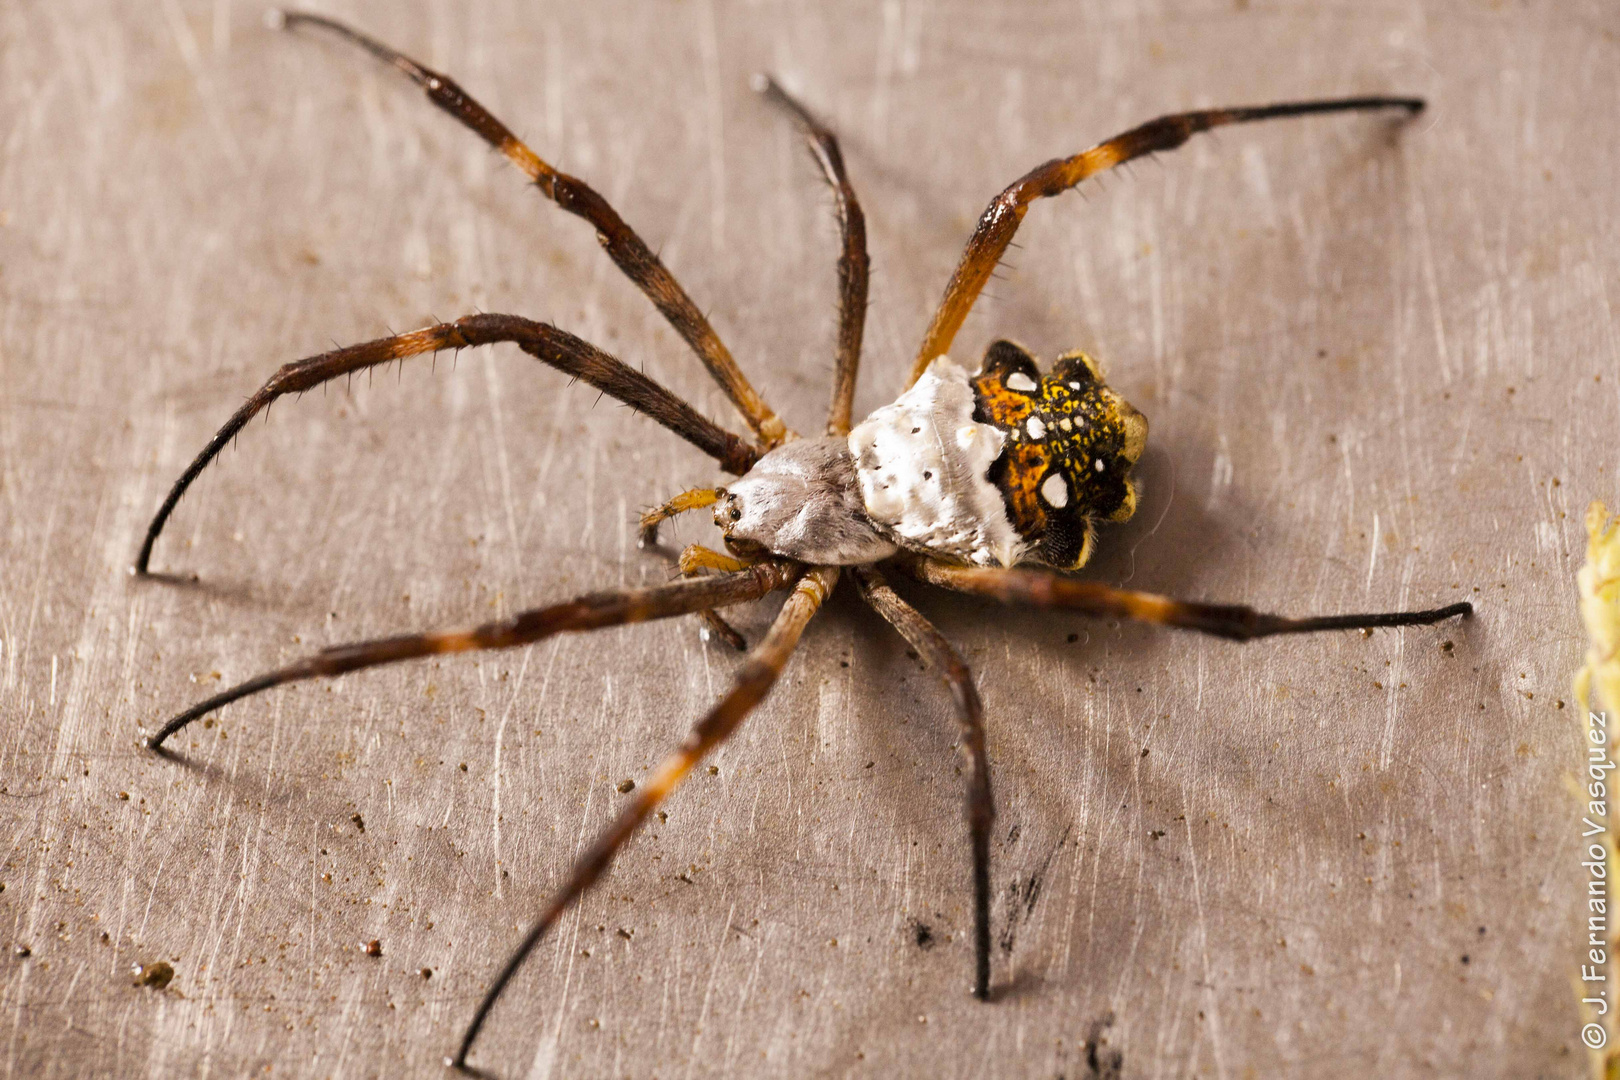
[(1001, 218), (1236, 622), (937, 653)]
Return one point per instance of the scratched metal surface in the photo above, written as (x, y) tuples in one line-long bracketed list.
[(1380, 367)]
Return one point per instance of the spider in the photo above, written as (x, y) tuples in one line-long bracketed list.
[(989, 484)]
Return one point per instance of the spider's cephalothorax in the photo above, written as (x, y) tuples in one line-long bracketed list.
[(1007, 466), (955, 481)]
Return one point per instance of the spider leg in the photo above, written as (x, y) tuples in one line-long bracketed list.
[(1001, 218), (937, 653), (753, 681), (592, 611), (696, 499), (694, 559), (1236, 622), (627, 250), (558, 348), (680, 504), (853, 265)]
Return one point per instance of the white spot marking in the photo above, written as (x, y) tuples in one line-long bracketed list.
[(1056, 491), (1036, 429), (1019, 381), (1065, 425), (1097, 464), (1074, 386)]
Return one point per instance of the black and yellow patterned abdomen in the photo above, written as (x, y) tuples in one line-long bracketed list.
[(1071, 442)]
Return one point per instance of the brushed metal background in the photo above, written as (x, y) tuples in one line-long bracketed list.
[(1379, 361)]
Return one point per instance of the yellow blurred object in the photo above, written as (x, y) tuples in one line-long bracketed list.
[(1599, 583)]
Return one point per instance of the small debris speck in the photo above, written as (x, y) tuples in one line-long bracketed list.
[(426, 973), (359, 822), (626, 786), (23, 950), (373, 947), (157, 974), (714, 770)]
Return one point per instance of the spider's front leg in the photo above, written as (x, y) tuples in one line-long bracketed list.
[(854, 267), (753, 681), (592, 611), (623, 245), (557, 348)]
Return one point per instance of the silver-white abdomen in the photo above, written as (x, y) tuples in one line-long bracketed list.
[(912, 475), (923, 466)]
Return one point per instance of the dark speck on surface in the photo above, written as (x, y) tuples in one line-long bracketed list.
[(157, 974)]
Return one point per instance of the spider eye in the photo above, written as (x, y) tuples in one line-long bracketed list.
[(736, 514)]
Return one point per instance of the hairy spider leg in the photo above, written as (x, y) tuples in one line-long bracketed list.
[(937, 653), (1236, 622), (696, 499), (558, 348), (750, 685), (1001, 218), (593, 611), (853, 265), (695, 559), (704, 558), (627, 250)]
